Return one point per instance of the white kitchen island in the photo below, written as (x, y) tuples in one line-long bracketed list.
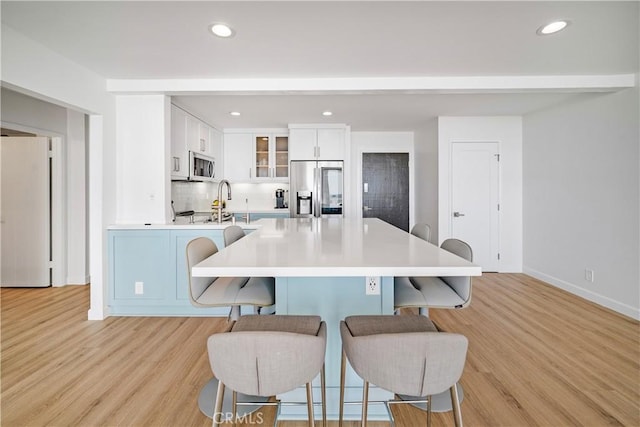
[(321, 266)]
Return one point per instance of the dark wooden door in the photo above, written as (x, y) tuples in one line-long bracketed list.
[(385, 192)]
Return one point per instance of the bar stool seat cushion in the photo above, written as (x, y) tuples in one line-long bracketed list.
[(260, 291), (306, 325), (437, 293), (405, 294), (375, 325)]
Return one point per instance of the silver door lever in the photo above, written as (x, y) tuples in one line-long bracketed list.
[(457, 214)]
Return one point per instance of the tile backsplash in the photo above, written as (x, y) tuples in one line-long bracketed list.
[(198, 196)]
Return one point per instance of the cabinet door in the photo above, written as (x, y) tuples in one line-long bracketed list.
[(331, 144), (302, 144), (238, 156), (193, 134), (263, 161), (215, 150), (140, 267), (179, 163), (281, 157)]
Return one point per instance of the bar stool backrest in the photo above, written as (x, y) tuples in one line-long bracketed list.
[(232, 233), (197, 250), (460, 284), (266, 363), (433, 364), (422, 231)]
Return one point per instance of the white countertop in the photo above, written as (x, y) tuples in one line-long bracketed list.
[(301, 247), (183, 226)]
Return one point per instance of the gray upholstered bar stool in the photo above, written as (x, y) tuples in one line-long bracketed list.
[(295, 351), (423, 231), (403, 355), (436, 292), (234, 233), (224, 291), (221, 292)]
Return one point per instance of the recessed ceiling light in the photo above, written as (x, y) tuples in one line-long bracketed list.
[(327, 113), (221, 30), (552, 27), (235, 113)]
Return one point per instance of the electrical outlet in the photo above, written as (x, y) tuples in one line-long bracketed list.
[(588, 275), (139, 288), (372, 285)]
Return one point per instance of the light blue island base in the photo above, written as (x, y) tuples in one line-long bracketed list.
[(333, 299)]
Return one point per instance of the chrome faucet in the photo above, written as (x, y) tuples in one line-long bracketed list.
[(224, 181)]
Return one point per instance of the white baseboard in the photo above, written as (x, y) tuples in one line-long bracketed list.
[(93, 314), (78, 280), (602, 300)]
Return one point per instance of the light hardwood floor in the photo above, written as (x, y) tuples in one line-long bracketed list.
[(537, 356)]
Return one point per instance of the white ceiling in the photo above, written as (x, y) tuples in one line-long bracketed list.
[(303, 39)]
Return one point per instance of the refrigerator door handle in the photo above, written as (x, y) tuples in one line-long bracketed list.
[(317, 196)]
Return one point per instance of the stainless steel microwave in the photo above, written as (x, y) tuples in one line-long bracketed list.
[(201, 167)]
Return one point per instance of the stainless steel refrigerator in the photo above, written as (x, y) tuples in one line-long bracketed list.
[(315, 188)]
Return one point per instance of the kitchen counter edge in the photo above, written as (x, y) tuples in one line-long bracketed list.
[(196, 226)]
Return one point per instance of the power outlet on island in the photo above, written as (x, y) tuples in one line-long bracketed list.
[(139, 288), (372, 285)]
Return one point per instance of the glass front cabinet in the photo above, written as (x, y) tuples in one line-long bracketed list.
[(271, 156)]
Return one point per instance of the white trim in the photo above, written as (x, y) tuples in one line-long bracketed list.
[(58, 212), (451, 84), (97, 233), (78, 281), (602, 300)]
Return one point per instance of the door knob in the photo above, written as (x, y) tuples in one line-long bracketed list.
[(457, 214)]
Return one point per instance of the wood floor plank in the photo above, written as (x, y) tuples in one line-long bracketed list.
[(538, 356)]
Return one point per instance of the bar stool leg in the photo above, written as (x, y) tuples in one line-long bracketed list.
[(429, 411), (323, 388), (217, 412), (457, 413), (343, 367), (234, 406), (310, 404), (365, 403)]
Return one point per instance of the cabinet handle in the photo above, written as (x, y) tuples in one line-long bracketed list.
[(176, 164), (249, 173), (202, 145)]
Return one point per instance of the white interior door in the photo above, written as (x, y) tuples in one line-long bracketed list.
[(475, 200), (24, 211)]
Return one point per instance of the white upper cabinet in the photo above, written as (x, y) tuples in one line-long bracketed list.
[(215, 150), (317, 143), (179, 163), (238, 157), (198, 136), (271, 156), (189, 133)]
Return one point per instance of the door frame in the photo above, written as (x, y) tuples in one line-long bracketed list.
[(58, 196), (377, 142), (498, 195)]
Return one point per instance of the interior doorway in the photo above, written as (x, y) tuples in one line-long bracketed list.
[(25, 220), (475, 204), (385, 188)]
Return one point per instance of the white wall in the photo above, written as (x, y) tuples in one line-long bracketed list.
[(581, 198), (32, 69), (77, 241), (507, 132), (378, 142), (426, 176), (143, 151)]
